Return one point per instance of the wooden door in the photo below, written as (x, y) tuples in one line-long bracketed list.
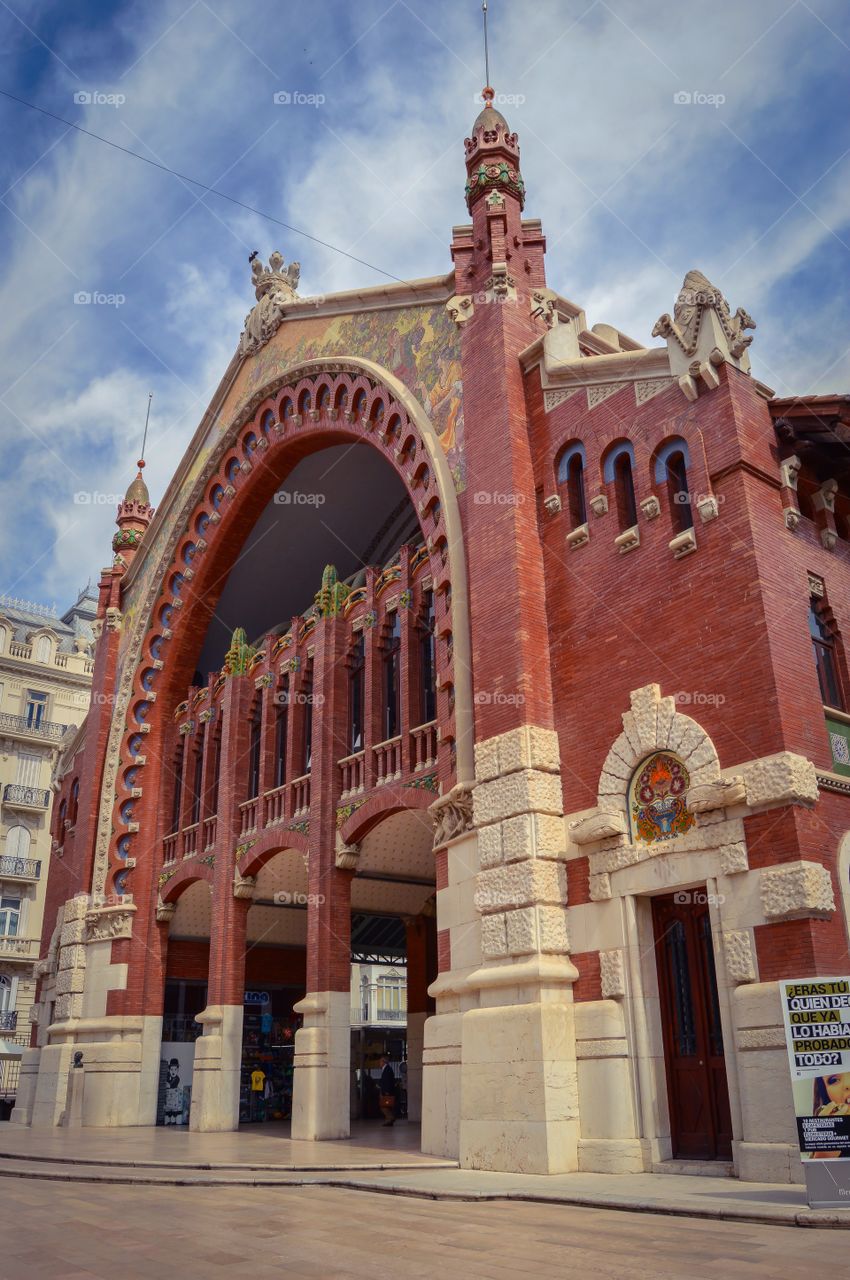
[(700, 1119)]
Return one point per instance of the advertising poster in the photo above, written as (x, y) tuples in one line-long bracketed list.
[(816, 1012)]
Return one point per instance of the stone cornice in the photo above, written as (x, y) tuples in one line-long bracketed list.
[(613, 366), (405, 293), (40, 671)]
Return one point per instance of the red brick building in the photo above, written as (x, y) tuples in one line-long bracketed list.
[(467, 623)]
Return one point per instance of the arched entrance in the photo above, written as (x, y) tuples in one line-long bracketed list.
[(334, 692)]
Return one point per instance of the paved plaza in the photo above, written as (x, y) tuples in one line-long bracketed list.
[(85, 1232)]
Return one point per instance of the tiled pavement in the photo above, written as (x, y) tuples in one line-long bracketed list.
[(150, 1162), (83, 1232), (264, 1146)]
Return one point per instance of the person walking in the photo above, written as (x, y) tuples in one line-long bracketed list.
[(387, 1091)]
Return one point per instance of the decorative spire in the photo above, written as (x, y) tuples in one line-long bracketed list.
[(240, 655), (134, 516), (333, 594), (135, 512), (492, 155)]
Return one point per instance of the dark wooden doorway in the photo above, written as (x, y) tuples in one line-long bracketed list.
[(700, 1119)]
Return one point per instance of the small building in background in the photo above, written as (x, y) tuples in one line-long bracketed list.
[(45, 688)]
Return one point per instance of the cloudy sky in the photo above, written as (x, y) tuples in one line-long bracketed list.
[(749, 180)]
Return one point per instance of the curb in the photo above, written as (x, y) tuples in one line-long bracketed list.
[(810, 1218)]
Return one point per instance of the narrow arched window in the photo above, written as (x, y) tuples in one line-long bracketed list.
[(307, 701), (254, 750), (671, 470), (392, 678), (281, 727), (427, 660), (357, 694), (618, 470), (60, 823), (824, 645), (42, 649), (197, 774), (571, 474), (624, 489), (74, 805), (216, 766)]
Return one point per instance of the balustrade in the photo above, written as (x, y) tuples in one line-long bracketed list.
[(190, 840), (275, 806), (387, 761), (423, 745), (169, 846), (352, 772), (210, 825), (249, 809), (300, 795)]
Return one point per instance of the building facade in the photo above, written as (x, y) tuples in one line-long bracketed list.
[(464, 613), (46, 668)]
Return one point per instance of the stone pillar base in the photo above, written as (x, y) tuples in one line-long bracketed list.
[(415, 1038), (216, 1076), (768, 1162), (321, 1107), (22, 1111), (51, 1090), (441, 1086), (614, 1155), (519, 1094)]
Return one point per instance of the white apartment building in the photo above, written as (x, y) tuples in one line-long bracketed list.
[(45, 688)]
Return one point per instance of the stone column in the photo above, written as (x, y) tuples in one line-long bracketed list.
[(321, 1103), (418, 930), (519, 1092), (218, 1052), (458, 942)]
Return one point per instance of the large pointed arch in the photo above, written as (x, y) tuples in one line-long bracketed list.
[(255, 452)]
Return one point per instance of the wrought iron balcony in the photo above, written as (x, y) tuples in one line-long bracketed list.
[(392, 1015), (20, 868), (18, 797), (21, 726), (8, 1020)]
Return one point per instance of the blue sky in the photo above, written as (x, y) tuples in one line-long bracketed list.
[(634, 188)]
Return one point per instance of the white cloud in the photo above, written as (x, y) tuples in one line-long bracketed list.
[(633, 190)]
